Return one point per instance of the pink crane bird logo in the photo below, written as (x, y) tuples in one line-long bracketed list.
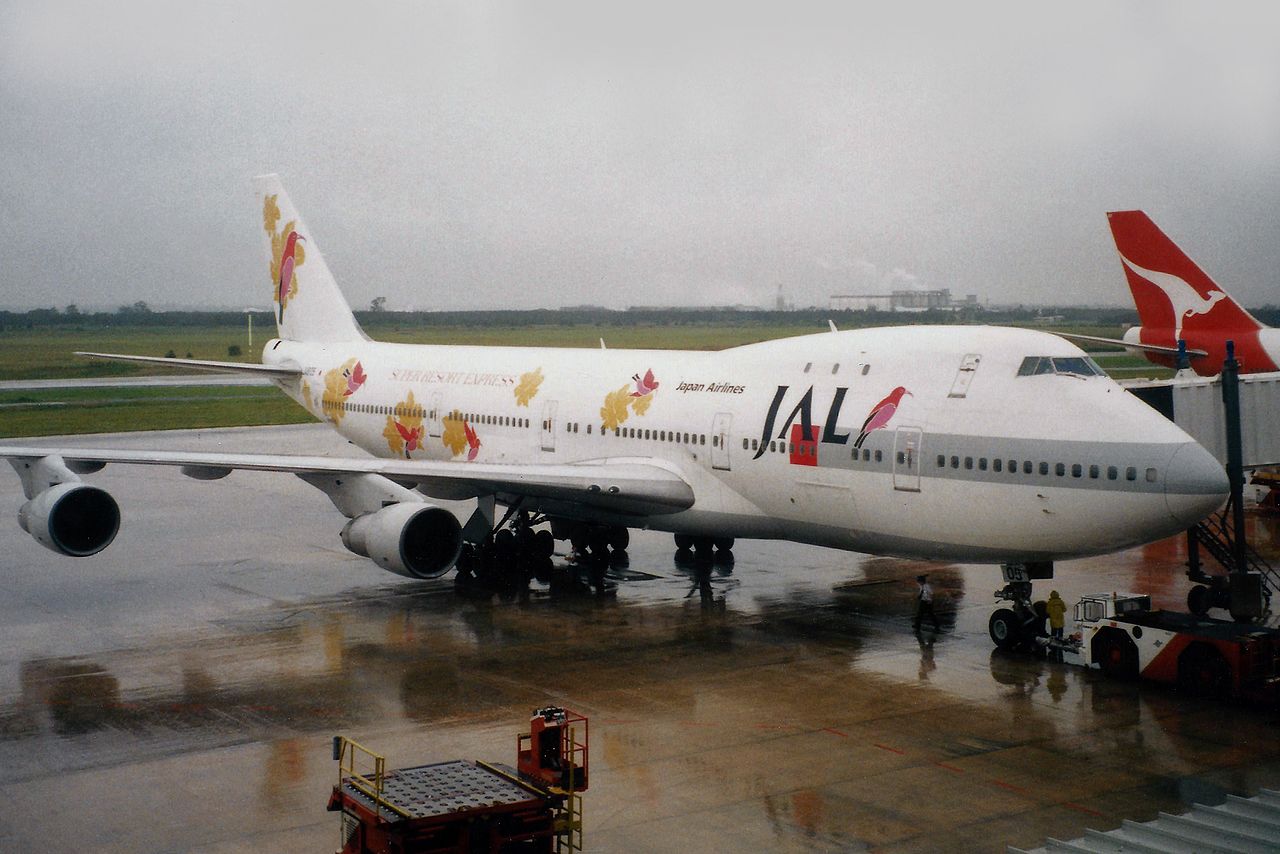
[(288, 259), (473, 441), (355, 378), (644, 385), (881, 414), (412, 437)]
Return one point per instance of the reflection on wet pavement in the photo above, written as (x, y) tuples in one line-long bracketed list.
[(781, 703)]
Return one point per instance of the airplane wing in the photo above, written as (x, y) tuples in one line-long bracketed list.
[(632, 485), (1149, 348), (270, 371)]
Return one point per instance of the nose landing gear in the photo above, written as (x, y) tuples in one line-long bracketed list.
[(1018, 626)]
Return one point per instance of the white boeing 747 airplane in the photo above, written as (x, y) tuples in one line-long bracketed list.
[(965, 443)]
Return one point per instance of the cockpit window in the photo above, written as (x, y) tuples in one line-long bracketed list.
[(1080, 366)]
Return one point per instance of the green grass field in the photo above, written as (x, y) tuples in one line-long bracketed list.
[(47, 354)]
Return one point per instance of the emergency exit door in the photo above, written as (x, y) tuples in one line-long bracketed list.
[(906, 459)]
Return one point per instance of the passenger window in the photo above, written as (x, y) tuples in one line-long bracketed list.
[(1151, 475), (1112, 473), (1131, 473), (835, 368), (879, 456), (942, 461), (715, 441), (968, 463), (1044, 468), (955, 462), (1027, 466), (773, 446), (997, 465), (982, 463), (866, 369), (745, 444), (902, 458), (1060, 469), (791, 447), (1077, 470), (1093, 472), (1013, 466)]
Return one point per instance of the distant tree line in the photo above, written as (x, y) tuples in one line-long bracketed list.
[(140, 314)]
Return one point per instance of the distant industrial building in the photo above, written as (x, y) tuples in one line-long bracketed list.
[(904, 300)]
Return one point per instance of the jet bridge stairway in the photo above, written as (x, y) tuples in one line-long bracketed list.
[(1246, 569)]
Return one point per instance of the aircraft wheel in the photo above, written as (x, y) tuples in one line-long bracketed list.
[(684, 542), (1199, 600), (1203, 672), (723, 544), (1004, 628), (544, 543)]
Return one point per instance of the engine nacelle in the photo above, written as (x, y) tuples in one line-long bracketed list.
[(72, 519), (409, 538)]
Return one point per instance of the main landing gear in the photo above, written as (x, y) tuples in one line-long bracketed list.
[(516, 551), (703, 550), (1018, 626)]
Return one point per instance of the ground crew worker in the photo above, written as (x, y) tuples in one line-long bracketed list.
[(1057, 613), (924, 603)]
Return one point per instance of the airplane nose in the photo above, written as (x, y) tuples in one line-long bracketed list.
[(1195, 484)]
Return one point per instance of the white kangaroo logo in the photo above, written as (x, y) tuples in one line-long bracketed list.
[(1184, 299)]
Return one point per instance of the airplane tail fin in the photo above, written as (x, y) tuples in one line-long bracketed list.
[(309, 306), (1169, 289)]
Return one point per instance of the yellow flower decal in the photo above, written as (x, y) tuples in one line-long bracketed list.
[(335, 387), (528, 386), (614, 412), (455, 433), (641, 404), (287, 253), (404, 432)]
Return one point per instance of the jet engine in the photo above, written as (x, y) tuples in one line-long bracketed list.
[(409, 538), (72, 519)]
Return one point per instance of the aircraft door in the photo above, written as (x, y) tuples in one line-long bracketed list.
[(549, 426), (720, 440), (968, 367), (906, 458), (436, 426)]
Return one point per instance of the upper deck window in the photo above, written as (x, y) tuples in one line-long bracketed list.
[(1080, 366)]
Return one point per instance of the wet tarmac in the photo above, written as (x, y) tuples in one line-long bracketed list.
[(179, 691)]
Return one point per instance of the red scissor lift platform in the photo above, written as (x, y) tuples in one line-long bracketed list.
[(462, 806)]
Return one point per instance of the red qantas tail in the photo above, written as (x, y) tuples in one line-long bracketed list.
[(1173, 294)]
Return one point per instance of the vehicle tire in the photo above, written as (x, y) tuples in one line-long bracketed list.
[(684, 542), (1199, 600), (1203, 672), (1116, 654), (1005, 629), (723, 544)]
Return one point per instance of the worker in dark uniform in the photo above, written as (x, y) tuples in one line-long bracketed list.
[(1057, 614), (924, 603)]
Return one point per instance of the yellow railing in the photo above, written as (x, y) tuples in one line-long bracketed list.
[(362, 769)]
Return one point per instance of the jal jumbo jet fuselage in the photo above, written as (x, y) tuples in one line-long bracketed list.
[(980, 458), (958, 442)]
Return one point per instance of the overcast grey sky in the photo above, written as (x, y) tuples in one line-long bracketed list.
[(537, 154)]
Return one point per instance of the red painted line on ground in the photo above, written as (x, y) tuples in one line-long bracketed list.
[(949, 767), (892, 749), (1002, 784), (697, 724), (1079, 808), (835, 732)]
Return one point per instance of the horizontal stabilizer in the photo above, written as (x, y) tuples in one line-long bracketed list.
[(201, 364), (1148, 348)]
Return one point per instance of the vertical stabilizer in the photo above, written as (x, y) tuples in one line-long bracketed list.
[(1170, 290), (308, 304)]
